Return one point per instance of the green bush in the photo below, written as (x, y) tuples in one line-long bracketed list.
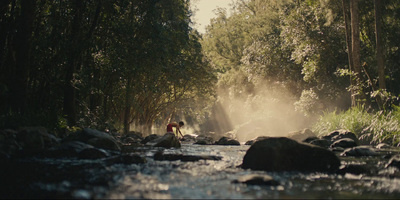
[(380, 126)]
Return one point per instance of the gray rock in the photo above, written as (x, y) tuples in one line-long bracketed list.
[(227, 141), (344, 143), (359, 151), (96, 138), (394, 161), (125, 159), (321, 143), (185, 158), (204, 140), (284, 154)]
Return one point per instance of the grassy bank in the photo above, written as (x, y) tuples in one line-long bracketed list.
[(375, 127)]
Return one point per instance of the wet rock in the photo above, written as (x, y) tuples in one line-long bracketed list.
[(344, 143), (9, 146), (96, 138), (35, 139), (125, 159), (150, 138), (93, 153), (257, 179), (185, 158), (284, 154), (359, 151), (204, 140), (169, 140), (345, 134), (67, 149), (301, 135), (321, 143), (394, 161), (383, 146), (227, 141), (353, 169)]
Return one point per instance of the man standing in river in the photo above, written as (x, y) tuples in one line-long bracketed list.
[(177, 127)]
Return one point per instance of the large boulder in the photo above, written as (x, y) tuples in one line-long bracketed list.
[(169, 140), (96, 138), (284, 154), (67, 149), (36, 139)]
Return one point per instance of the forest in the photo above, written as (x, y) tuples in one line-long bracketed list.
[(136, 64)]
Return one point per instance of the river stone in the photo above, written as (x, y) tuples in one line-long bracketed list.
[(353, 169), (96, 138), (169, 140), (345, 134), (284, 154), (128, 158), (227, 141), (36, 139), (185, 158), (359, 151), (394, 161), (344, 143), (321, 143), (204, 140), (257, 179)]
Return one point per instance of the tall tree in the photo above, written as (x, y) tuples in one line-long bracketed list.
[(349, 49), (22, 57), (379, 45), (356, 48)]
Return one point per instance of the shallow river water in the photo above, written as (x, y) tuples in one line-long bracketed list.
[(204, 179), (214, 179)]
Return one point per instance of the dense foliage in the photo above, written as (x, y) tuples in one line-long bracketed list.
[(375, 127), (100, 63), (300, 46)]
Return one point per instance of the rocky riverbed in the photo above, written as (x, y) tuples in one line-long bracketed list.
[(94, 165)]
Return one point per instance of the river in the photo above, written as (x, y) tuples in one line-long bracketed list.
[(203, 179)]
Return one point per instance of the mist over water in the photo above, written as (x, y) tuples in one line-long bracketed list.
[(264, 112)]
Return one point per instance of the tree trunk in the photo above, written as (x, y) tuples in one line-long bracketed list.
[(72, 64), (355, 44), (22, 56), (379, 46), (349, 49), (127, 110)]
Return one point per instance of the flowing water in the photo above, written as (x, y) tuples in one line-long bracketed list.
[(203, 179)]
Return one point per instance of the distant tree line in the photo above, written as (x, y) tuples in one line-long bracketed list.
[(101, 63), (322, 51)]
